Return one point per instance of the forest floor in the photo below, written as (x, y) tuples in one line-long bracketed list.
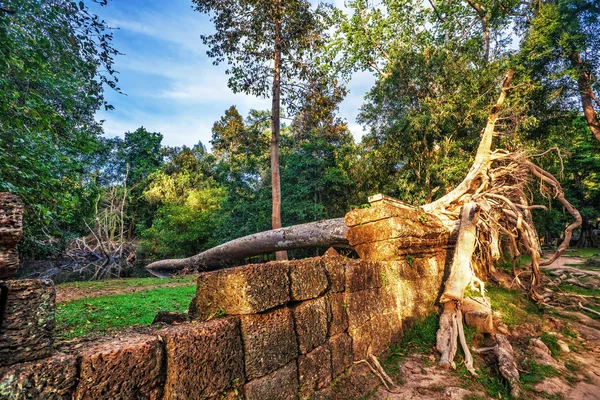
[(557, 347)]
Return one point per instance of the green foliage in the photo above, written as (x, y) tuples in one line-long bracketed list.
[(55, 56), (116, 312), (188, 202)]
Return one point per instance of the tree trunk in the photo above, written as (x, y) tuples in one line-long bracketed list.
[(587, 95), (275, 125), (326, 233)]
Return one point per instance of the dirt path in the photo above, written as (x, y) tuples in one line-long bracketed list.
[(69, 293), (566, 263)]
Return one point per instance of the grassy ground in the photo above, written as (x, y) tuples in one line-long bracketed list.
[(115, 284), (103, 314)]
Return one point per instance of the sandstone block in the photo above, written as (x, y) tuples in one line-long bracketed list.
[(269, 341), (50, 378), (361, 341), (363, 274), (336, 271), (308, 278), (385, 330), (11, 230), (314, 370), (341, 353), (278, 385), (27, 325), (125, 368), (242, 290), (360, 306), (203, 359), (339, 316), (312, 322)]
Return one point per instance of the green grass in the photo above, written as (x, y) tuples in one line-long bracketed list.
[(579, 290), (535, 373), (102, 314), (584, 253), (418, 339), (491, 382), (551, 342), (113, 284), (513, 306)]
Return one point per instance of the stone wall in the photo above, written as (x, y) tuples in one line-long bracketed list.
[(280, 330)]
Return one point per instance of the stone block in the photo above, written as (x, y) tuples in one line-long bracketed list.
[(269, 341), (124, 368), (27, 320), (481, 321), (385, 330), (336, 271), (312, 323), (203, 359), (314, 370), (360, 306), (308, 278), (50, 378), (363, 274), (11, 230), (395, 249), (278, 385), (338, 313), (341, 353), (242, 290), (361, 341)]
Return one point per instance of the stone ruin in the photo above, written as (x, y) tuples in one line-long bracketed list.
[(280, 330)]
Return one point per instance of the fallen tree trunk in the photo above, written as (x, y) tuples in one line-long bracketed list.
[(326, 233)]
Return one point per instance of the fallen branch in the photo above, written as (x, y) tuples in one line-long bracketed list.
[(326, 233)]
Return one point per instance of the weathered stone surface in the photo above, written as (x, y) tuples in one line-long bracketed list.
[(50, 378), (481, 321), (361, 341), (339, 316), (336, 271), (269, 341), (27, 325), (203, 359), (308, 278), (170, 318), (394, 249), (378, 211), (360, 306), (314, 370), (236, 393), (279, 385), (129, 367), (363, 274), (385, 328), (409, 225), (341, 353), (11, 229), (243, 290), (311, 319)]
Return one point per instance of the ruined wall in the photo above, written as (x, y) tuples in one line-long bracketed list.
[(281, 330)]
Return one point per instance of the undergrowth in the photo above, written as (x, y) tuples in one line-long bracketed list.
[(115, 312)]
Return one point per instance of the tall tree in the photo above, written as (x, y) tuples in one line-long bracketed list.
[(269, 46)]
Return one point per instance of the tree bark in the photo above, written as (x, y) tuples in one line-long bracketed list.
[(275, 126), (587, 95), (326, 233)]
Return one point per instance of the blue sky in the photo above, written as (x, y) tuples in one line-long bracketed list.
[(170, 83)]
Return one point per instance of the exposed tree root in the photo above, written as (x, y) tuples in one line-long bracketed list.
[(492, 201), (379, 372)]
